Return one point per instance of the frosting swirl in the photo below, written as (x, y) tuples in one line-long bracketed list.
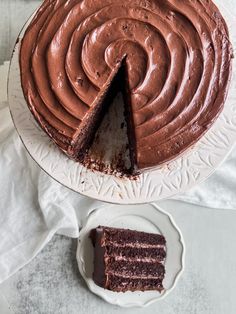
[(178, 59)]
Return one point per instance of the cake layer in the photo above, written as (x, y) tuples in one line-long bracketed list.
[(138, 254), (135, 269), (131, 238), (121, 284), (178, 59)]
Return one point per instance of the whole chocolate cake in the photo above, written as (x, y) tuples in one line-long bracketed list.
[(127, 260), (171, 59)]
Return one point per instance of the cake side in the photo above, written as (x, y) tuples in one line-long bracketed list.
[(85, 134), (127, 260), (97, 239)]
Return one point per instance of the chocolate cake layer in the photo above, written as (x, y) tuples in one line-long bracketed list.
[(135, 269), (131, 253), (131, 237), (121, 284), (178, 64), (124, 261)]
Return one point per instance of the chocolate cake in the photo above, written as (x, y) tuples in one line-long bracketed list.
[(127, 260), (171, 59)]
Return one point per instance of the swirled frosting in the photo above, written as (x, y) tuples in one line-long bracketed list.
[(177, 55)]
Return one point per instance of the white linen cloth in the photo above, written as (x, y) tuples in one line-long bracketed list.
[(33, 207)]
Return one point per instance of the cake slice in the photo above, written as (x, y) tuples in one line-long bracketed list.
[(128, 260)]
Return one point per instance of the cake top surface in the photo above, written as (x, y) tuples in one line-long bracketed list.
[(178, 58)]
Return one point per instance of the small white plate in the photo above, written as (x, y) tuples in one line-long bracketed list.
[(148, 218)]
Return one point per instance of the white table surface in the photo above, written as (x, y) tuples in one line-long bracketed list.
[(52, 284)]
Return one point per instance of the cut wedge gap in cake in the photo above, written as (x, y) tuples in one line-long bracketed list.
[(83, 148)]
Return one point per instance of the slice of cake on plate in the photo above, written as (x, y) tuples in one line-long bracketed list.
[(128, 260)]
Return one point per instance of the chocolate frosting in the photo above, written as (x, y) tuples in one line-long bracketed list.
[(178, 58)]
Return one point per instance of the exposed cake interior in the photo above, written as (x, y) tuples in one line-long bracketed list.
[(127, 260), (83, 139)]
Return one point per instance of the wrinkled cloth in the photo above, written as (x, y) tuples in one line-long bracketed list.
[(33, 207), (219, 191)]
